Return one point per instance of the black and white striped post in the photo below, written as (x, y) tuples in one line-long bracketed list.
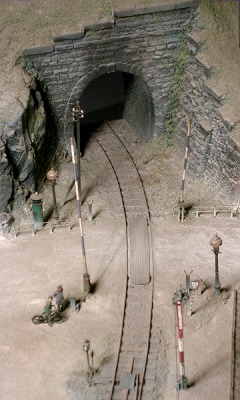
[(78, 113), (86, 276), (181, 199)]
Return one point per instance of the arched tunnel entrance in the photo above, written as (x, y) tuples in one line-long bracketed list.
[(118, 95)]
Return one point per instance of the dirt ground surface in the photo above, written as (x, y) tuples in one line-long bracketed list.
[(40, 362)]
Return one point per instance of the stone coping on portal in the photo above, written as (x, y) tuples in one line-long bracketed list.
[(38, 50), (214, 91), (167, 6), (227, 115), (111, 23)]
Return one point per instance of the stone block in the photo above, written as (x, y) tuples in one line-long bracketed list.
[(38, 50), (229, 119), (195, 39), (63, 47), (47, 73), (214, 91), (111, 68), (203, 62), (205, 126), (70, 36), (99, 26), (155, 9)]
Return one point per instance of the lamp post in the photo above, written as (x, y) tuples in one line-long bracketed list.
[(216, 242), (77, 113), (52, 176)]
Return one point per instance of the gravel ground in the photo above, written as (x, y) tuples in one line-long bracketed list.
[(38, 362), (41, 362)]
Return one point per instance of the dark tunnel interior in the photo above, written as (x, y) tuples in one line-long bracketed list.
[(113, 96), (103, 98)]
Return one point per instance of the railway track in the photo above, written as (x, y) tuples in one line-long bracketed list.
[(135, 368), (235, 370), (129, 181)]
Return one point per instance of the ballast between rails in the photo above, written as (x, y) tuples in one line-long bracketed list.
[(138, 302)]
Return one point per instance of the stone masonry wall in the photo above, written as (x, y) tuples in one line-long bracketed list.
[(144, 43), (138, 109), (212, 152), (141, 42)]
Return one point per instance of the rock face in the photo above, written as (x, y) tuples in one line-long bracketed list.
[(20, 145), (5, 222), (6, 181)]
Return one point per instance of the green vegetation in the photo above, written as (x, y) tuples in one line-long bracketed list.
[(180, 60), (106, 10), (221, 12)]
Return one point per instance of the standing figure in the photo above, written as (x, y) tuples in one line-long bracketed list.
[(59, 298), (48, 310)]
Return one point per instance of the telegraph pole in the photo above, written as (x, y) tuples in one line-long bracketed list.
[(77, 113), (86, 276)]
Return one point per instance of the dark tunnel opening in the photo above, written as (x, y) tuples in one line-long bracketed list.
[(114, 96), (103, 98)]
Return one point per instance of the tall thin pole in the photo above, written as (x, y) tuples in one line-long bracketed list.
[(77, 114), (180, 298), (217, 284), (86, 276), (186, 159), (182, 383), (181, 199)]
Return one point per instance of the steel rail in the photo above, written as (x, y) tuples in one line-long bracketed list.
[(126, 275), (117, 153), (132, 160)]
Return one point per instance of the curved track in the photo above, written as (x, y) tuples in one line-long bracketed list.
[(130, 185), (135, 370)]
